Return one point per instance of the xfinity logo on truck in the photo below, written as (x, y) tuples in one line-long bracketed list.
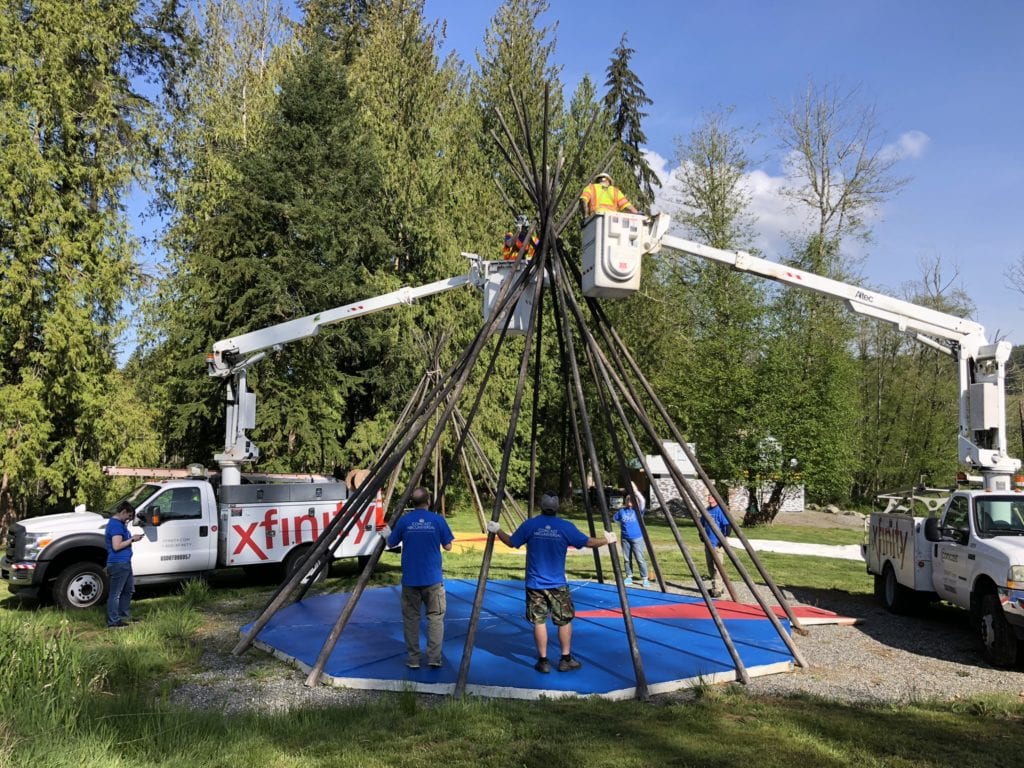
[(298, 529), (890, 542)]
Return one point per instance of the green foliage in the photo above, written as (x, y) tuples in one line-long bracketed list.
[(76, 137), (46, 680), (625, 100), (909, 400)]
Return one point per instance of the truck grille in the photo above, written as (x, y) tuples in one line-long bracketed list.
[(15, 543)]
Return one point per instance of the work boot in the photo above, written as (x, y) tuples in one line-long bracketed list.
[(568, 664)]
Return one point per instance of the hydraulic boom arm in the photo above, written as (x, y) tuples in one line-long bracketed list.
[(982, 366), (233, 356)]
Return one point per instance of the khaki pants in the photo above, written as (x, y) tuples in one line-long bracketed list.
[(712, 571), (433, 597)]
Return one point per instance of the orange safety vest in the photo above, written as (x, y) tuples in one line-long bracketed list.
[(514, 244), (600, 198)]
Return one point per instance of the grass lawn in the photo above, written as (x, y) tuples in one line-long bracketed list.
[(75, 694)]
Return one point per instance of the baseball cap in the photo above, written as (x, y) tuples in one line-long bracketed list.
[(549, 501)]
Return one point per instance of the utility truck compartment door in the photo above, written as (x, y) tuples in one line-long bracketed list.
[(262, 524)]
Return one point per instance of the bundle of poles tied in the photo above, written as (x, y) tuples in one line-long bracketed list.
[(604, 388)]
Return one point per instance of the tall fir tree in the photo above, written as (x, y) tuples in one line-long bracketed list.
[(75, 135), (517, 57), (221, 113), (625, 100)]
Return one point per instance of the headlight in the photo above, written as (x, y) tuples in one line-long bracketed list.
[(35, 543), (1016, 579)]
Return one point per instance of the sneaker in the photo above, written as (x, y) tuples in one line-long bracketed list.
[(646, 583), (412, 664), (716, 593), (118, 625), (628, 581), (542, 665), (568, 664), (435, 664)]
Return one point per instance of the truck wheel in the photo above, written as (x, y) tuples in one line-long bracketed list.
[(894, 596), (294, 560), (80, 586), (998, 642)]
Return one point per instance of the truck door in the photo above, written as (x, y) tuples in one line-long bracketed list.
[(182, 542), (950, 566)]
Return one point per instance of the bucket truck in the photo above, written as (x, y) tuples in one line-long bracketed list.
[(971, 553), (193, 522)]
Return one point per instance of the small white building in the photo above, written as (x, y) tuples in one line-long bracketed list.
[(663, 479)]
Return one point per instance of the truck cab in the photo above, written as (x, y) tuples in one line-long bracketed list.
[(189, 528), (64, 555), (978, 563), (970, 554)]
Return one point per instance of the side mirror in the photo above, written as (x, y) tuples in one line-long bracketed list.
[(154, 515), (931, 529)]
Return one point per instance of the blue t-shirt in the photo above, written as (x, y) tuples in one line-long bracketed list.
[(422, 533), (629, 519), (720, 520), (547, 538), (116, 528)]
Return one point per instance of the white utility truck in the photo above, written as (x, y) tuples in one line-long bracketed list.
[(192, 525), (972, 552)]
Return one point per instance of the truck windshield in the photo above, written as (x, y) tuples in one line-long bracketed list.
[(135, 498), (1000, 515)]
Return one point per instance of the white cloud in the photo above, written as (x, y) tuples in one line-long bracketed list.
[(910, 144), (774, 217)]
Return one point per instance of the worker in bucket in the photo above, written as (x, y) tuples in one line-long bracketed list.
[(547, 538), (602, 196), (516, 241), (422, 534), (722, 522)]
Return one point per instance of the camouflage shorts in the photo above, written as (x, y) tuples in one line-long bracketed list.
[(557, 602)]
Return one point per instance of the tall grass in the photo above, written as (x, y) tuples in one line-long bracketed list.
[(46, 679)]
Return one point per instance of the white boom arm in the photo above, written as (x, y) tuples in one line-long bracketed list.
[(232, 357), (982, 366)]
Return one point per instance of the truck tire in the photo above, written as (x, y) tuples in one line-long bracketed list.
[(894, 596), (998, 642), (80, 586), (295, 558)]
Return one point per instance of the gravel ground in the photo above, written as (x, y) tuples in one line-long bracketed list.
[(883, 659)]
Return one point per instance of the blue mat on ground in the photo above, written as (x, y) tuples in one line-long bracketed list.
[(679, 644)]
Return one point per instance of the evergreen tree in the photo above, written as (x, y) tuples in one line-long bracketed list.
[(221, 113), (517, 57), (432, 198), (75, 135), (625, 100)]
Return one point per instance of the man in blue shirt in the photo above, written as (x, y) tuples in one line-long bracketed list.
[(632, 538), (422, 534), (547, 538), (119, 565), (723, 525)]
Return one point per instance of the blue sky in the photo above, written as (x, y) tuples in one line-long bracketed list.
[(947, 80)]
